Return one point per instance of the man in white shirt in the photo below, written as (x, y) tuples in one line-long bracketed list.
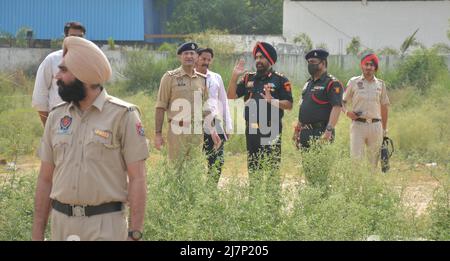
[(218, 104), (45, 93)]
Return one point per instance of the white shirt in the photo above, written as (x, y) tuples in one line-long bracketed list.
[(45, 93), (217, 99)]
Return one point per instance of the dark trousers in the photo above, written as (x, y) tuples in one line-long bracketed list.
[(310, 135), (260, 155), (215, 157), (316, 166), (262, 160)]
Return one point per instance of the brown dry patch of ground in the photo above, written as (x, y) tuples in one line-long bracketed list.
[(415, 183)]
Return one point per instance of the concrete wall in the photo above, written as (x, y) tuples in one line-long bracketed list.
[(378, 23), (12, 59), (292, 65), (295, 67)]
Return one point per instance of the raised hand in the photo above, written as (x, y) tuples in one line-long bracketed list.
[(239, 68)]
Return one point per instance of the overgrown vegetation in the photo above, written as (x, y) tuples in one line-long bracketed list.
[(333, 199), (235, 16)]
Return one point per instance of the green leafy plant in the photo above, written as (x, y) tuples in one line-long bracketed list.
[(305, 41), (111, 44), (354, 47)]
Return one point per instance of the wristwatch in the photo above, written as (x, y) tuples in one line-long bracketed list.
[(329, 128), (135, 235)]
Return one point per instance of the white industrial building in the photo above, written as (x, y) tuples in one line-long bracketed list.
[(377, 23)]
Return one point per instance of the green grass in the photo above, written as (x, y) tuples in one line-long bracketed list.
[(346, 202)]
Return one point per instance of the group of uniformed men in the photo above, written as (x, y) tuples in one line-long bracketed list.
[(94, 147)]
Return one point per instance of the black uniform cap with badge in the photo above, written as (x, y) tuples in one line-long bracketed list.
[(189, 46), (319, 53)]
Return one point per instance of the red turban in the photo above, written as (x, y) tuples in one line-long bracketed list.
[(370, 57)]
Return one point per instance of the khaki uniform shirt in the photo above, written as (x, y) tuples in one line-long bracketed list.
[(177, 89), (366, 96), (90, 150), (184, 99)]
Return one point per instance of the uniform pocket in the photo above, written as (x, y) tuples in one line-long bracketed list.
[(60, 146), (98, 142), (375, 95)]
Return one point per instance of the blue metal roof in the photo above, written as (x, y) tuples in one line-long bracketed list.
[(123, 20)]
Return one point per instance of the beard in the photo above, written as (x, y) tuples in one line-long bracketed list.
[(261, 68), (72, 92)]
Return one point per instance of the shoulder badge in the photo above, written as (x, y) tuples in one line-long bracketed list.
[(287, 86), (140, 129)]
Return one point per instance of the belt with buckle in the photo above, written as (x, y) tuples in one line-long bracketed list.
[(86, 211), (316, 125), (367, 120)]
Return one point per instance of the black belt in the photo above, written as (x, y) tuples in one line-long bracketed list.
[(316, 125), (82, 211), (367, 120)]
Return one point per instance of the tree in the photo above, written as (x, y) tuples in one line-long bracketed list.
[(410, 41), (388, 51), (6, 37), (234, 16), (21, 37), (322, 46), (441, 48), (305, 41), (354, 46)]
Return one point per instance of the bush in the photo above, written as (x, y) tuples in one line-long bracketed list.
[(440, 212), (144, 70), (21, 37), (19, 133), (16, 202), (419, 70)]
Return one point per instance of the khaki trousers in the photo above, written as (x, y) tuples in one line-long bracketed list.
[(182, 145), (105, 227), (366, 136)]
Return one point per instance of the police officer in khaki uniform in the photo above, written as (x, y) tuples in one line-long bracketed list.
[(369, 112), (92, 156), (182, 93)]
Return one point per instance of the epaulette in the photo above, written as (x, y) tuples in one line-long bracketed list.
[(279, 74), (58, 105), (201, 74), (354, 78), (129, 106), (332, 77), (173, 72)]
